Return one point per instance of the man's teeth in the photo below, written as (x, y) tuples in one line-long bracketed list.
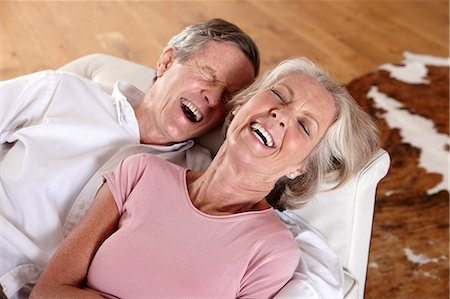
[(262, 134), (198, 116)]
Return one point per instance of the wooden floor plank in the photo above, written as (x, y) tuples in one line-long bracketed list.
[(420, 24), (348, 37)]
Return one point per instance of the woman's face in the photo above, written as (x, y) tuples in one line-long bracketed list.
[(279, 126)]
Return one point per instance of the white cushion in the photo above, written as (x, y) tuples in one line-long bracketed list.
[(344, 218), (105, 70)]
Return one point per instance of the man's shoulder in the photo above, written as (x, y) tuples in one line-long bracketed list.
[(75, 78), (33, 77)]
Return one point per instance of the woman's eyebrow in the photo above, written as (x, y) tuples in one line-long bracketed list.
[(306, 113), (288, 88)]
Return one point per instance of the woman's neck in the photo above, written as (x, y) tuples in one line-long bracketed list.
[(225, 189)]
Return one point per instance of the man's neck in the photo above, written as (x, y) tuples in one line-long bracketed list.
[(147, 128)]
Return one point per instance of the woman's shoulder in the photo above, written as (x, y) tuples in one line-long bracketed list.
[(151, 164), (277, 233), (146, 158)]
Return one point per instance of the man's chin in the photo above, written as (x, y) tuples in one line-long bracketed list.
[(185, 133)]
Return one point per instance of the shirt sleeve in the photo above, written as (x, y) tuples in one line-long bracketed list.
[(24, 100), (122, 180), (266, 277)]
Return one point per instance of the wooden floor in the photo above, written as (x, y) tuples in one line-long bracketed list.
[(350, 38)]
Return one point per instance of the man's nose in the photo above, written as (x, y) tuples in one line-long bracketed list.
[(213, 97)]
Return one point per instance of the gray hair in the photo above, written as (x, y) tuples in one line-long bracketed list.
[(347, 146), (193, 37)]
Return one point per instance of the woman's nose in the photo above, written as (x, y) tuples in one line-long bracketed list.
[(278, 117)]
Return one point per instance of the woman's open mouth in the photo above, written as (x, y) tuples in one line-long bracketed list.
[(262, 135), (191, 111)]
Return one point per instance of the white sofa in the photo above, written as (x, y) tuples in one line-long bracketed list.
[(343, 217)]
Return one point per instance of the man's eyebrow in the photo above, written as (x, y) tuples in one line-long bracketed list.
[(210, 70), (215, 78)]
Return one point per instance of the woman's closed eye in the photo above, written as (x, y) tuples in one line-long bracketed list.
[(304, 127), (278, 95)]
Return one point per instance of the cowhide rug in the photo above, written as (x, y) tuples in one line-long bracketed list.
[(409, 253)]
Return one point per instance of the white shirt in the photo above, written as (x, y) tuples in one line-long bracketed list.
[(319, 273), (56, 131)]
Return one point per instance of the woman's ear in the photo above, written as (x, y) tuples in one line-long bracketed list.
[(164, 62), (296, 172), (235, 110)]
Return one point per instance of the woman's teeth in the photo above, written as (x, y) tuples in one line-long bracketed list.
[(262, 134), (191, 111)]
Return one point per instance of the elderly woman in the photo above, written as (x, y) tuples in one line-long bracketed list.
[(159, 230)]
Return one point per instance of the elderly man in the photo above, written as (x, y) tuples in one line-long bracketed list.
[(58, 129)]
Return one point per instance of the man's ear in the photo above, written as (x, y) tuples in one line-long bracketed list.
[(164, 62)]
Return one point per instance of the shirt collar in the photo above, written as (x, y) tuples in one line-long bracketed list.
[(124, 94), (184, 145), (133, 94)]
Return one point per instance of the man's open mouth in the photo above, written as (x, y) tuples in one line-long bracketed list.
[(262, 135), (190, 110)]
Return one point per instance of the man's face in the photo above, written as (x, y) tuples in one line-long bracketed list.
[(188, 97)]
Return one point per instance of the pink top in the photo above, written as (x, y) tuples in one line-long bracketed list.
[(166, 247)]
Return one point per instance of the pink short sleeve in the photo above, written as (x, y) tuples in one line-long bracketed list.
[(122, 180)]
